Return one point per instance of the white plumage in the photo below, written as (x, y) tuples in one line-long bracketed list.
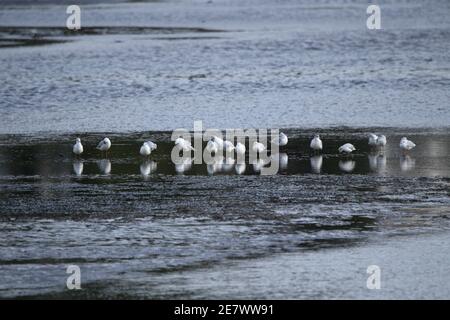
[(78, 147), (347, 148), (281, 140), (104, 145), (316, 143), (184, 144), (406, 144), (258, 147), (212, 147), (147, 148), (373, 139), (228, 146), (219, 141), (377, 141), (381, 141)]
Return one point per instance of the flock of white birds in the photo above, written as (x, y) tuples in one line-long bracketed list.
[(217, 144)]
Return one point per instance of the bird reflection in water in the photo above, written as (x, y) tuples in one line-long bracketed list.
[(78, 167), (104, 166), (148, 167)]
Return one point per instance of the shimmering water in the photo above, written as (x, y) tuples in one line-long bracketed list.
[(145, 228)]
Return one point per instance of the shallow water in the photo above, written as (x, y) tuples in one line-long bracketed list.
[(145, 228), (131, 227)]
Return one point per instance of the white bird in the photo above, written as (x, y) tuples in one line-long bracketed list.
[(347, 148), (240, 148), (184, 144), (104, 145), (281, 140), (147, 148), (219, 141), (78, 147), (373, 139), (258, 147), (153, 146), (381, 141), (406, 145), (212, 147), (316, 143), (228, 146)]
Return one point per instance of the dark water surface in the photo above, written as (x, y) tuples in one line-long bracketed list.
[(132, 225)]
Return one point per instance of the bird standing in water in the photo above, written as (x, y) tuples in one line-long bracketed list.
[(406, 145), (281, 140), (347, 148), (316, 143), (104, 145), (258, 147), (381, 141), (147, 148), (77, 147), (184, 144)]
